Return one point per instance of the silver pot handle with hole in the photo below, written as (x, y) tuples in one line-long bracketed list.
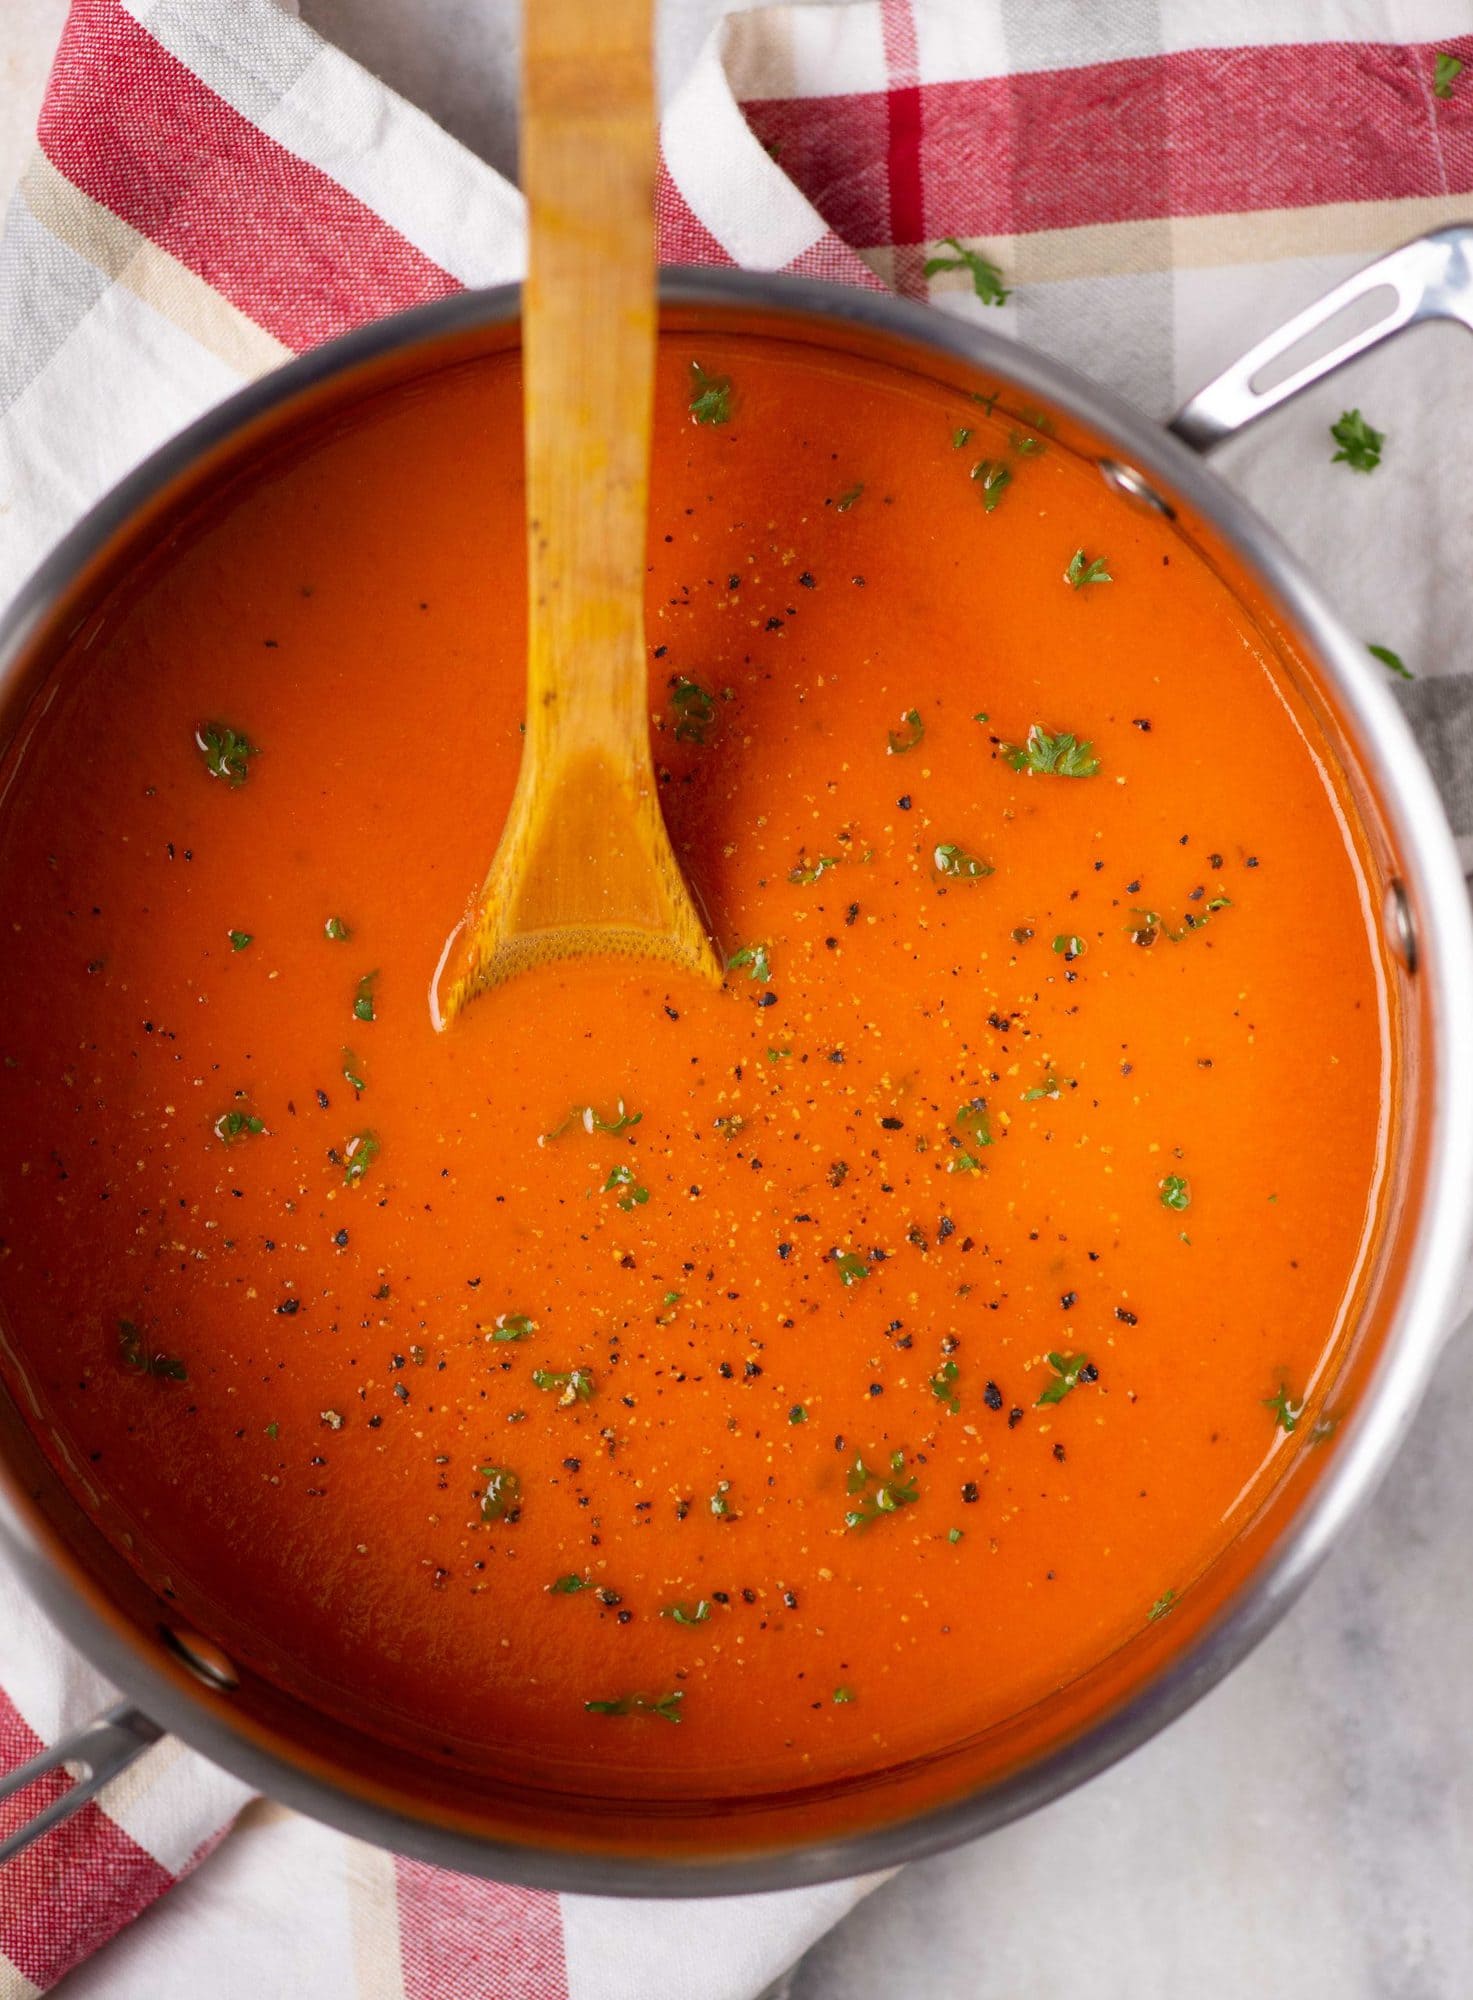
[(1429, 278), (95, 1753)]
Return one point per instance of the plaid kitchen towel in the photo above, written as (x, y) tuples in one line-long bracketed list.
[(215, 188)]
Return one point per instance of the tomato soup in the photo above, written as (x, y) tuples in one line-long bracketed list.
[(669, 1390)]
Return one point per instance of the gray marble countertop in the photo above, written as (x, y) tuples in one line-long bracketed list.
[(1307, 1830)]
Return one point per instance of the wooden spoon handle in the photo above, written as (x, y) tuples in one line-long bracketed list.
[(588, 151)]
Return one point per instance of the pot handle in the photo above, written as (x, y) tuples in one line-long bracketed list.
[(101, 1748), (1428, 278)]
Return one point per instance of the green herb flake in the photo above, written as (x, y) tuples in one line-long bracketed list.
[(1176, 1192), (1061, 756), (1446, 70), (710, 396), (1070, 945), (570, 1385), (670, 1301), (687, 1614), (513, 1326), (337, 930), (851, 1268), (778, 1055), (1069, 1371), (1050, 1087), (570, 1585), (720, 1506), (753, 960), (798, 1414), (1286, 1411), (1382, 653), (808, 872), (695, 709), (877, 1496), (906, 738), (273, 1430), (986, 277), (226, 752), (960, 436), (1360, 446), (993, 480), (631, 1194), (243, 940), (232, 1125), (139, 1359), (943, 1386), (363, 998), (358, 1156), (1163, 1604), (503, 1494), (848, 498), (1081, 573), (591, 1120), (665, 1706), (1026, 445), (352, 1076), (842, 1695), (956, 865), (953, 1535)]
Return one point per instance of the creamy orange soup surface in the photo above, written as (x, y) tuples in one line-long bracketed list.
[(643, 1386)]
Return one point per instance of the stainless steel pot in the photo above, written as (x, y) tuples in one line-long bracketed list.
[(181, 1681)]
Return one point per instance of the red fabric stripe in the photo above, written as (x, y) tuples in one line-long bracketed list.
[(136, 130), (463, 1939), (905, 120), (680, 235), (835, 262), (1204, 132), (78, 1885)]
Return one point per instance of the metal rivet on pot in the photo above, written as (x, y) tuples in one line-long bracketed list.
[(1125, 479), (1401, 926), (203, 1657)]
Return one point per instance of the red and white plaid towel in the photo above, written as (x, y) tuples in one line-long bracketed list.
[(216, 188)]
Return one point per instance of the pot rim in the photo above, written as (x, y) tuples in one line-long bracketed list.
[(1435, 1266)]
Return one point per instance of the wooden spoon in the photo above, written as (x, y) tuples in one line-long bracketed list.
[(585, 864)]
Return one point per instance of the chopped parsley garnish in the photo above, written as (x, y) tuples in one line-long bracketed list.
[(226, 752), (876, 1496), (352, 1075), (1360, 446), (1025, 444), (798, 1414), (719, 1505), (1446, 70), (1176, 1192), (960, 436), (570, 1585), (572, 1385), (993, 479), (242, 940), (670, 1301), (778, 1055), (232, 1124), (753, 960), (943, 1386), (1147, 925), (851, 1268), (1081, 572), (1069, 945), (953, 1535), (972, 1122), (503, 1492), (1286, 1411), (631, 1194), (847, 498), (513, 1326), (592, 1120), (1162, 1605), (141, 1360), (808, 872), (986, 277), (1069, 1371), (1382, 653), (1061, 756), (843, 1694), (358, 1156), (363, 999), (1050, 1087), (901, 740), (957, 865), (695, 709), (710, 396), (666, 1706), (337, 930), (688, 1614)]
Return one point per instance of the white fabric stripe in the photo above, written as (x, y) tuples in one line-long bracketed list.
[(732, 184), (373, 1917), (727, 1949), (13, 1984), (834, 50)]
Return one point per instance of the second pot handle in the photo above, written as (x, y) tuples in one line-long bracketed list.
[(1429, 278), (99, 1750)]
